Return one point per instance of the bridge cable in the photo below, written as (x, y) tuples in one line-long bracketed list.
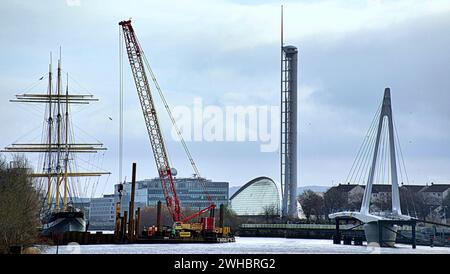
[(361, 151), (120, 106)]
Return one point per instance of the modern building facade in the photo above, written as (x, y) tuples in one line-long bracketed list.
[(191, 192), (257, 197), (102, 213)]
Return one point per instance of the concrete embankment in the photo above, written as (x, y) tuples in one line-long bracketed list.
[(304, 231)]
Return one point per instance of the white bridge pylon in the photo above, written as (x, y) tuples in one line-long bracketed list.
[(364, 215)]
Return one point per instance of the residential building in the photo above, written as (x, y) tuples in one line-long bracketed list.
[(435, 194), (352, 192), (381, 192), (431, 198)]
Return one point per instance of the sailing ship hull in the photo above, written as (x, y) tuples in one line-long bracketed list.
[(61, 222)]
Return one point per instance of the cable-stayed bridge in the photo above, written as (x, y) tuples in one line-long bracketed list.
[(377, 161)]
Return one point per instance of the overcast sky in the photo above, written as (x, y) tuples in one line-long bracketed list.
[(227, 54)]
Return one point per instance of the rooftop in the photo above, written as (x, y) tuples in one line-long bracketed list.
[(413, 188), (436, 188), (346, 187), (381, 188)]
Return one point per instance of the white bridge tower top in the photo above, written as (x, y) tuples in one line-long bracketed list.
[(386, 111)]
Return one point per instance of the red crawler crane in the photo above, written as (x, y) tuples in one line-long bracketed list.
[(136, 58)]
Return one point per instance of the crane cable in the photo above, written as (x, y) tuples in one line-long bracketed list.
[(120, 105)]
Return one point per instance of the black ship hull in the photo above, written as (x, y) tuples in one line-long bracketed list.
[(61, 222)]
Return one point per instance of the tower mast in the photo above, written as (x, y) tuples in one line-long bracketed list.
[(50, 123), (58, 146), (66, 159), (53, 169), (288, 129), (284, 184)]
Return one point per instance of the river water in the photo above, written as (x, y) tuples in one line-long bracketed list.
[(245, 245)]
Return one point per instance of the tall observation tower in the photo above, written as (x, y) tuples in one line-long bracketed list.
[(288, 155)]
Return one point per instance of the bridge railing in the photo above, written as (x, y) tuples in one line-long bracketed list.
[(296, 226)]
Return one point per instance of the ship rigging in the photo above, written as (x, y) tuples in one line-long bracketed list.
[(58, 152)]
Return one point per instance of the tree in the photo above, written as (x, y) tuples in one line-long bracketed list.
[(312, 204), (405, 200), (414, 204), (231, 219), (421, 206), (382, 203), (334, 200), (270, 213), (355, 202), (19, 205)]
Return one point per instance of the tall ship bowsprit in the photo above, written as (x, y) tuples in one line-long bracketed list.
[(57, 173)]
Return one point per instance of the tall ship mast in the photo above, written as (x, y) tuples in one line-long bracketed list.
[(58, 150)]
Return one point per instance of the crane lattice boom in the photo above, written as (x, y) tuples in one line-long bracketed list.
[(137, 58), (151, 120)]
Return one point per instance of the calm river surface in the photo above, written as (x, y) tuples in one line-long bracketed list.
[(244, 245)]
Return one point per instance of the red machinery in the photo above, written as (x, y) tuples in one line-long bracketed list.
[(136, 58)]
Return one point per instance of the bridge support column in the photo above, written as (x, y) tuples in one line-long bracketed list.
[(337, 235), (380, 233)]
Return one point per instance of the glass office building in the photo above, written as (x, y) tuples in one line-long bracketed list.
[(102, 214), (191, 192), (257, 197)]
